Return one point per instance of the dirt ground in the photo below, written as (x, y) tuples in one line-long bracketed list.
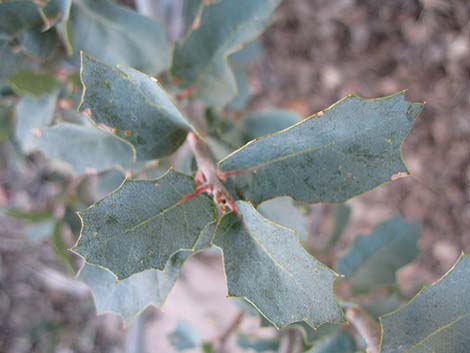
[(317, 51)]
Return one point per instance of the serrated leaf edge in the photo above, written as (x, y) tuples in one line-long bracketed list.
[(128, 321), (170, 170), (462, 255), (295, 234), (318, 115), (362, 236), (124, 76)]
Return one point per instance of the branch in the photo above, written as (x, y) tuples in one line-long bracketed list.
[(366, 327), (228, 332), (208, 178)]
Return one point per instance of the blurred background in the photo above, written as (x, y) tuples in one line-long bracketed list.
[(315, 52)]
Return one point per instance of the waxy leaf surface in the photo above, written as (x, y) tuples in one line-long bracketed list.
[(239, 62), (437, 320), (38, 43), (18, 16), (11, 61), (132, 295), (338, 342), (32, 115), (57, 13), (266, 122), (200, 61), (84, 148), (350, 148), (135, 106), (373, 260), (266, 264), (142, 224), (117, 35), (283, 211), (340, 214)]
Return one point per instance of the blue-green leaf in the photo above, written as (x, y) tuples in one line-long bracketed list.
[(283, 211), (135, 106), (239, 61), (339, 342), (143, 223), (117, 35), (132, 295), (32, 115), (84, 148), (437, 320), (37, 43), (266, 122), (373, 260), (266, 264), (258, 344), (10, 61), (18, 16), (200, 61), (340, 214), (348, 149)]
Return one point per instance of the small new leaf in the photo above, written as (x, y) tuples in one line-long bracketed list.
[(143, 223), (436, 320), (348, 149), (373, 260), (266, 264), (134, 106)]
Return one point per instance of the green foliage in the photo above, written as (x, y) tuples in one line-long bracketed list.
[(143, 223), (10, 62), (132, 295), (18, 16), (32, 115), (436, 320), (335, 343), (135, 106), (373, 260), (350, 148), (85, 148), (135, 239), (26, 82), (257, 345), (283, 211), (200, 61), (240, 61), (267, 122), (37, 43), (261, 257), (137, 41), (341, 214)]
